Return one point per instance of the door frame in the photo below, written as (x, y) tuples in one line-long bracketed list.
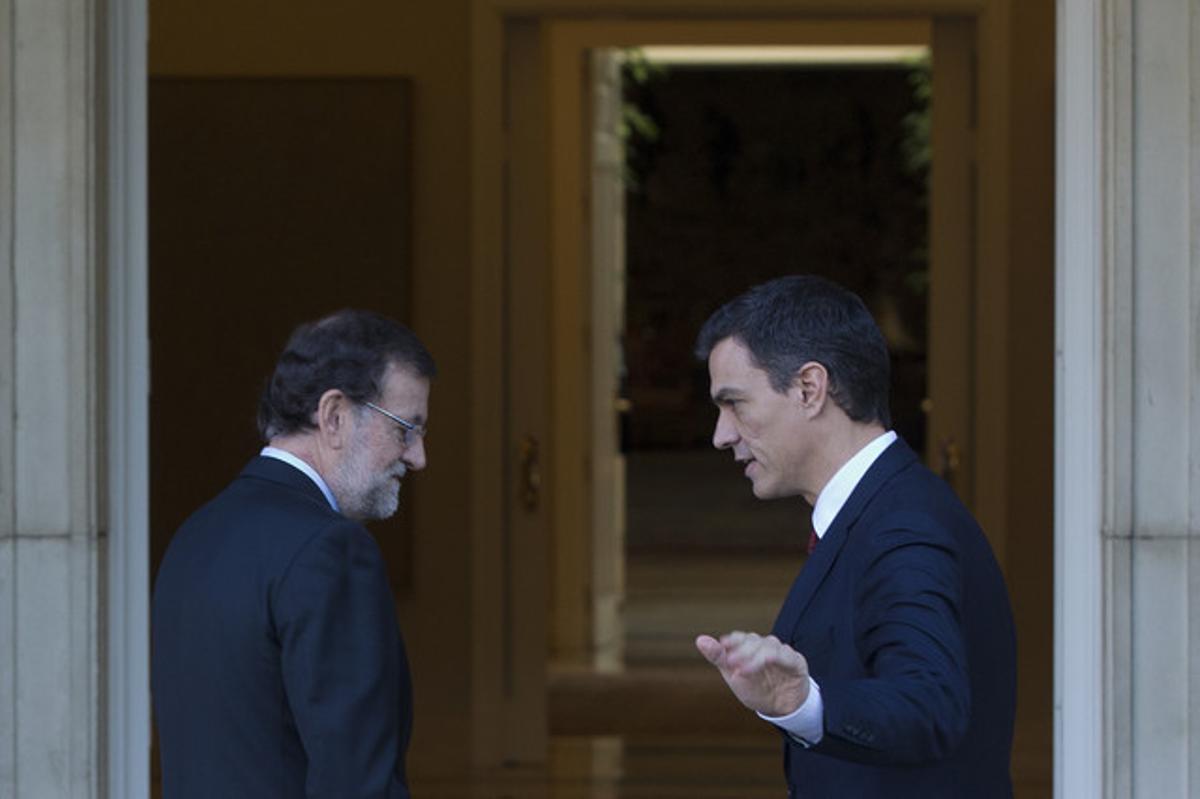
[(574, 529), (1087, 179), (1084, 48), (123, 296), (490, 22)]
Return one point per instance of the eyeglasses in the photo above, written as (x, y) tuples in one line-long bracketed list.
[(406, 427)]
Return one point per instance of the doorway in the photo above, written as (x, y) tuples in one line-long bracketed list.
[(489, 21), (743, 164), (549, 76), (740, 164)]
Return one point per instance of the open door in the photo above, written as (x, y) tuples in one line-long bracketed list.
[(949, 449), (530, 483)]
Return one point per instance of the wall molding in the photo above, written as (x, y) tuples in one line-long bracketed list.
[(1082, 165), (127, 380)]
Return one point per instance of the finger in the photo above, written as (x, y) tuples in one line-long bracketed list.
[(736, 638), (740, 641), (768, 652), (784, 655), (711, 648), (746, 648), (786, 660), (756, 661), (790, 656)]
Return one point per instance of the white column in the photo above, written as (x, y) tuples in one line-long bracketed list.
[(1129, 388), (1082, 262), (8, 511), (50, 403), (128, 378), (1164, 401)]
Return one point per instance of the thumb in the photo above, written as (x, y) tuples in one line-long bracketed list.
[(711, 648)]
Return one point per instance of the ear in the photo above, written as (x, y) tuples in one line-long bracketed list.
[(333, 418), (811, 388)]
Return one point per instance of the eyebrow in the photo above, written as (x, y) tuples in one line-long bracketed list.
[(419, 421), (726, 395)]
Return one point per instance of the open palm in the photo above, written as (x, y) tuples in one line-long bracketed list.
[(765, 674)]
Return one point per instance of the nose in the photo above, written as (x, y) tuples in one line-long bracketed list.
[(414, 454), (725, 433)]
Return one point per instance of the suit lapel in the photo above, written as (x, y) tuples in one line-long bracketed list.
[(819, 564)]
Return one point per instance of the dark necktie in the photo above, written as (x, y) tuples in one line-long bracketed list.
[(812, 541)]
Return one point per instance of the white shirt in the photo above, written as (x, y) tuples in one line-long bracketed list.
[(806, 723), (310, 472)]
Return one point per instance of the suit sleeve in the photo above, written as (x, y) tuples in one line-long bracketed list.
[(913, 705), (342, 662)]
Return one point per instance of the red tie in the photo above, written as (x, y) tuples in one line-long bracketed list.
[(812, 541)]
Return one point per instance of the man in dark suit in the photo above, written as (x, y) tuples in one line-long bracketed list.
[(891, 666), (278, 667)]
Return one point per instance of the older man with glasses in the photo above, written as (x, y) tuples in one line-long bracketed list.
[(278, 666)]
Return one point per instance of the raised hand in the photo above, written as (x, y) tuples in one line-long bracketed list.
[(765, 674)]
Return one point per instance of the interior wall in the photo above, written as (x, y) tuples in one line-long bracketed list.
[(429, 44), (257, 182)]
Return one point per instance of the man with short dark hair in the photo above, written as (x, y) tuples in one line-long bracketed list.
[(891, 666), (278, 668)]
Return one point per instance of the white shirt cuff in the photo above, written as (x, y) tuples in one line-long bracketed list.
[(806, 723)]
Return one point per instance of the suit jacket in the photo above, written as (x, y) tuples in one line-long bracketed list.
[(278, 669), (905, 621)]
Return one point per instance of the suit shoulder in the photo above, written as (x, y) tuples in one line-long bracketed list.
[(917, 503), (915, 489), (270, 504), (252, 521)]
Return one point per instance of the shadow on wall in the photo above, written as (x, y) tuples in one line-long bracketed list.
[(273, 202)]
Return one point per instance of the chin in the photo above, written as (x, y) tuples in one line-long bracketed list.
[(770, 491), (762, 491), (388, 510), (377, 507)]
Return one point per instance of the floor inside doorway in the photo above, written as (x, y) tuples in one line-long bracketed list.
[(633, 767), (664, 726)]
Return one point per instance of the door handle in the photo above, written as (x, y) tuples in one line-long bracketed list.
[(531, 473)]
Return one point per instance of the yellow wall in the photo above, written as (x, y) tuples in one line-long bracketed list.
[(429, 44)]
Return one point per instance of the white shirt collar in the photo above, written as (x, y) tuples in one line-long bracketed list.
[(839, 488), (292, 460)]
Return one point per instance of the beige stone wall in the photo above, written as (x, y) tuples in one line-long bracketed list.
[(51, 542), (1153, 522), (1128, 421)]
